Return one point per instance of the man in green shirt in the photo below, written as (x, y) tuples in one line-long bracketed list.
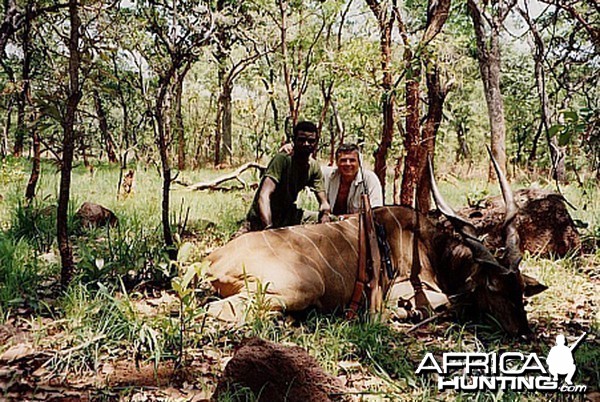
[(274, 203)]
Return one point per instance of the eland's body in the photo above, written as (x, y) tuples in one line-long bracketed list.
[(299, 267)]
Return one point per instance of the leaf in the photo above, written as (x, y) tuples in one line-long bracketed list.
[(564, 138), (555, 129), (573, 116), (185, 251), (187, 278), (176, 285)]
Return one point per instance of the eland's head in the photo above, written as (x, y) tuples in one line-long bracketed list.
[(494, 284)]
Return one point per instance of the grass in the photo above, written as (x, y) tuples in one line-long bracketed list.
[(98, 320), (20, 275)]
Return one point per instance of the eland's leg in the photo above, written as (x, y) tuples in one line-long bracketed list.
[(231, 309)]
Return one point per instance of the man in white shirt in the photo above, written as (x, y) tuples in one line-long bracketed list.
[(345, 183)]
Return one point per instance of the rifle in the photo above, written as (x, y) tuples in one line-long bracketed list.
[(369, 259), (376, 284), (574, 345)]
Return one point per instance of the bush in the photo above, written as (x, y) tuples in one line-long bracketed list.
[(98, 322), (133, 255), (35, 223), (19, 274)]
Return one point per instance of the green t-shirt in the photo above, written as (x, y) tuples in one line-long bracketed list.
[(290, 180)]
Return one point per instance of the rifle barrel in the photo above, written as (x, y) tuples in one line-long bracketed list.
[(574, 345)]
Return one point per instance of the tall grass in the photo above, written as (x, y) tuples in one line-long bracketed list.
[(19, 275), (96, 326)]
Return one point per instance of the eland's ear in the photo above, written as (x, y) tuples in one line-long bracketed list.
[(531, 286)]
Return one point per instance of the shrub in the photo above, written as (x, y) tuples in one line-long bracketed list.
[(19, 277)]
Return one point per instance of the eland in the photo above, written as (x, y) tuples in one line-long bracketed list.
[(316, 266)]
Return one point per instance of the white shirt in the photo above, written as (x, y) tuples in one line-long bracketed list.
[(332, 187)]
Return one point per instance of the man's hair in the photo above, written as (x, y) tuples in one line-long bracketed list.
[(346, 148), (305, 126)]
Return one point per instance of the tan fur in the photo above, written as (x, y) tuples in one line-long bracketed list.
[(309, 266)]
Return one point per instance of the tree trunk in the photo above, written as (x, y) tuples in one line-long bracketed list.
[(462, 149), (179, 129), (21, 126), (227, 143), (163, 143), (22, 100), (124, 106), (488, 56), (4, 147), (292, 117), (74, 95), (436, 96), (7, 28), (103, 125), (223, 137), (35, 168), (412, 140), (385, 19), (222, 77), (269, 85)]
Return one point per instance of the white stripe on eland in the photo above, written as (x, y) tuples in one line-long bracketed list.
[(333, 244), (320, 255)]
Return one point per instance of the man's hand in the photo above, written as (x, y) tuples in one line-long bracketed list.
[(324, 207), (287, 149), (324, 216)]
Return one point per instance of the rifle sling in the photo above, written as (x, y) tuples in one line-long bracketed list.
[(370, 278)]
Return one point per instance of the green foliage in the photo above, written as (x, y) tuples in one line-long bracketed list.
[(101, 324), (475, 198), (19, 275), (133, 255), (379, 346), (183, 286), (575, 124), (237, 393), (35, 223)]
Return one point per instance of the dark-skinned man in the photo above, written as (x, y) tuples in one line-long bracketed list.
[(274, 203)]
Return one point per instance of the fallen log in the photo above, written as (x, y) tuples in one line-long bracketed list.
[(216, 185)]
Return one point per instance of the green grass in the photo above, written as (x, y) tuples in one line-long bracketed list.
[(99, 325), (97, 321), (20, 275)]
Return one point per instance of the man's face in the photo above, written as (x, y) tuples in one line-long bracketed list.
[(305, 143), (347, 163)]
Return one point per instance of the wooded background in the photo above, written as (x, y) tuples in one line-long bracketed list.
[(189, 84)]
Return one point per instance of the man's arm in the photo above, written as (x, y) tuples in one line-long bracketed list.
[(287, 149), (375, 191), (324, 207), (264, 201)]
